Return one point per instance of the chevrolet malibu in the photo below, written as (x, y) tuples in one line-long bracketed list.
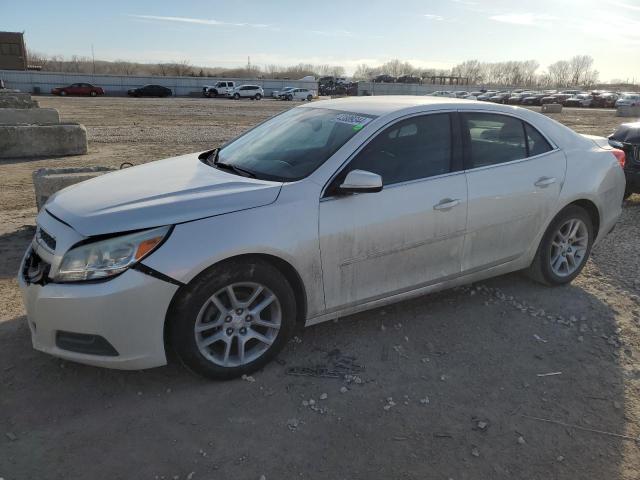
[(327, 209)]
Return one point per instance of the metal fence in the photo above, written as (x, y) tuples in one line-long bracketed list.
[(371, 88), (32, 81)]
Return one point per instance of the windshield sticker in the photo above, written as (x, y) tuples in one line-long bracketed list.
[(358, 121)]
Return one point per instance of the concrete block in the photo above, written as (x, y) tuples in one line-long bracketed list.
[(29, 116), (17, 100), (628, 111), (551, 108), (19, 141), (47, 181)]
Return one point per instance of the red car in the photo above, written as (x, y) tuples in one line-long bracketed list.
[(79, 89)]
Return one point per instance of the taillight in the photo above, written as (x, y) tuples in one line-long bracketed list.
[(619, 154)]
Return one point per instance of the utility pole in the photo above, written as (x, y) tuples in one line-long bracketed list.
[(93, 58), (248, 64)]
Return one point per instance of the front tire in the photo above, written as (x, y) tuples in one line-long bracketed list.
[(236, 96), (63, 93), (564, 249), (232, 319)]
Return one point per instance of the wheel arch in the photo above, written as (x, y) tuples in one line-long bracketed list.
[(284, 267), (593, 212)]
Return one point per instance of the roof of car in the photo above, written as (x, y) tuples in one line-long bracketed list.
[(384, 104)]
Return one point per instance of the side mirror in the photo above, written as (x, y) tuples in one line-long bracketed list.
[(361, 181)]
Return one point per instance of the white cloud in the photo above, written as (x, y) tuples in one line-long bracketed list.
[(529, 19), (429, 16), (198, 21)]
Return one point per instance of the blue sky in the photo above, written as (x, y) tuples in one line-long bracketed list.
[(435, 33)]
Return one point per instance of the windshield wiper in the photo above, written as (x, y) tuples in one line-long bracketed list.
[(234, 169)]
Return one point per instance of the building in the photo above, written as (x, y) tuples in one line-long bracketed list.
[(13, 53)]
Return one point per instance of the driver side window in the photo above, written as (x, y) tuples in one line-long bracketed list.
[(419, 147)]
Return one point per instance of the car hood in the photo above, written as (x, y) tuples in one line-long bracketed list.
[(164, 192)]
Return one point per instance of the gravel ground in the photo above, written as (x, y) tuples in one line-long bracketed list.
[(451, 386)]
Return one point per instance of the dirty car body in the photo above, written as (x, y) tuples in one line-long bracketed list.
[(413, 195)]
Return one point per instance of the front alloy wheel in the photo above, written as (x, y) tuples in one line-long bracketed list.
[(238, 324), (232, 319)]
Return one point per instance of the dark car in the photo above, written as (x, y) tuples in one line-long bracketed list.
[(559, 98), (605, 100), (150, 91), (384, 79), (408, 79), (502, 97), (627, 138), (516, 98), (535, 99), (78, 89)]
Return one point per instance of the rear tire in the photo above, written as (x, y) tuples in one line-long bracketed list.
[(248, 334), (553, 264), (258, 96), (93, 93), (309, 98)]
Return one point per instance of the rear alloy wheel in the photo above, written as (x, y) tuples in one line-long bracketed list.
[(564, 249), (233, 319), (309, 98), (258, 96), (93, 93)]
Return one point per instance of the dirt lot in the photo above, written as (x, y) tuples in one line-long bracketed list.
[(451, 385)]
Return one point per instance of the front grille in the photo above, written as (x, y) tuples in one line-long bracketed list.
[(45, 239)]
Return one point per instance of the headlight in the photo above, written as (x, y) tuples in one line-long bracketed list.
[(106, 258)]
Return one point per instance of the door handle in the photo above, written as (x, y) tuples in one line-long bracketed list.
[(544, 182), (446, 204)]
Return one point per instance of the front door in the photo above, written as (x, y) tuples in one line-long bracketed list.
[(408, 235), (514, 177)]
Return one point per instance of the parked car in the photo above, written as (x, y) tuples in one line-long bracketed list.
[(78, 89), (502, 97), (281, 93), (516, 99), (408, 79), (627, 138), (219, 255), (558, 98), (605, 100), (533, 99), (150, 91), (628, 99), (487, 95), (440, 93), (220, 89), (299, 94), (254, 92), (384, 79), (580, 100)]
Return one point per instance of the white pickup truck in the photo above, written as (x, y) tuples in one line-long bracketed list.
[(220, 89)]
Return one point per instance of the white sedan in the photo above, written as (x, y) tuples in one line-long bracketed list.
[(327, 209)]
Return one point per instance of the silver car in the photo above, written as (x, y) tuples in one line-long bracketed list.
[(327, 209)]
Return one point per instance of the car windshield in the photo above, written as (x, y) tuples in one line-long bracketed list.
[(290, 146)]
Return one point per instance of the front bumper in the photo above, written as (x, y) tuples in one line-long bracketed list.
[(127, 311)]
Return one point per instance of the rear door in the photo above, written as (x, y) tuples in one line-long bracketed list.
[(406, 236), (514, 176)]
